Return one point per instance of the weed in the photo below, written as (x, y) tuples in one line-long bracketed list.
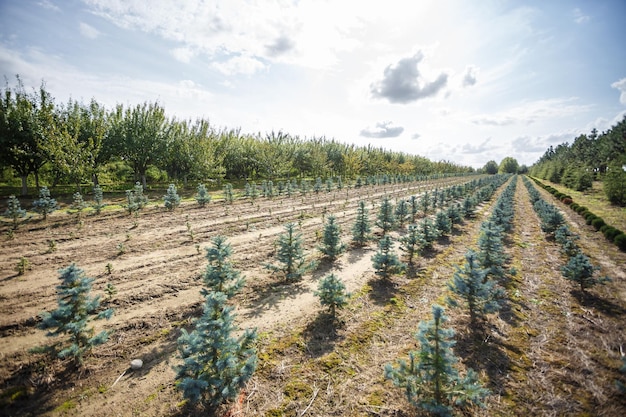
[(22, 266)]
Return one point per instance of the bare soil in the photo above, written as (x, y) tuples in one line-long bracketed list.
[(550, 352)]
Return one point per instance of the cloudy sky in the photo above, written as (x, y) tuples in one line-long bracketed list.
[(465, 81)]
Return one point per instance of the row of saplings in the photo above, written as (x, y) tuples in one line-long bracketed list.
[(578, 268), (612, 234), (216, 364), (136, 199)]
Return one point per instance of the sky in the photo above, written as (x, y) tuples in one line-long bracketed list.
[(461, 81)]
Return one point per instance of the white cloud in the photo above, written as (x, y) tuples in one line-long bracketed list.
[(532, 112), (480, 148), (469, 78), (621, 86), (239, 65), (382, 130), (579, 16), (183, 54), (48, 4), (402, 83), (88, 31)]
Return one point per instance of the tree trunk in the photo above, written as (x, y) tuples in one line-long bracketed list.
[(24, 185), (37, 179), (143, 180)]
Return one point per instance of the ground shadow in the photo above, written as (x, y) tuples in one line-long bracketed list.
[(324, 267), (321, 334), (482, 348), (268, 297), (606, 307), (383, 290)]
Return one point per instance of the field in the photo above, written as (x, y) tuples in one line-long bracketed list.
[(551, 351)]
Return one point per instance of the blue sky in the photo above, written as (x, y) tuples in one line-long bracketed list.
[(465, 81)]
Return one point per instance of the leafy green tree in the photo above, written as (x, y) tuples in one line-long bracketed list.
[(580, 270), (481, 295), (202, 195), (385, 261), (386, 219), (216, 364), (614, 184), (139, 136), (508, 165), (361, 229), (26, 123), (290, 255), (171, 198), (220, 275), (332, 293), (332, 246), (45, 205), (491, 167), (97, 199), (76, 309), (429, 379), (14, 211)]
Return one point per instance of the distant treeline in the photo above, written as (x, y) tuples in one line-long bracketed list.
[(75, 143), (590, 157)]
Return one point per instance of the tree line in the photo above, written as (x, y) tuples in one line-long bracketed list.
[(77, 142), (589, 157)]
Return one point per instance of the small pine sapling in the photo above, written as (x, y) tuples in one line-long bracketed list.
[(361, 229), (454, 213), (468, 207), (428, 233), (411, 243), (414, 205), (220, 275), (385, 261), (45, 205), (491, 254), (78, 204), (202, 195), (14, 211), (386, 219), (110, 291), (135, 199), (329, 185), (76, 309), (429, 378), (23, 265), (228, 194), (332, 293), (317, 187), (98, 197), (331, 242), (580, 271), (402, 212), (216, 364), (290, 255), (443, 223), (481, 295), (425, 203), (171, 199)]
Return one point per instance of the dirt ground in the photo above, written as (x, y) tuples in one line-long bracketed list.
[(550, 354)]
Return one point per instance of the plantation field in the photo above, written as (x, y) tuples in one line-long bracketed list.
[(549, 351)]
